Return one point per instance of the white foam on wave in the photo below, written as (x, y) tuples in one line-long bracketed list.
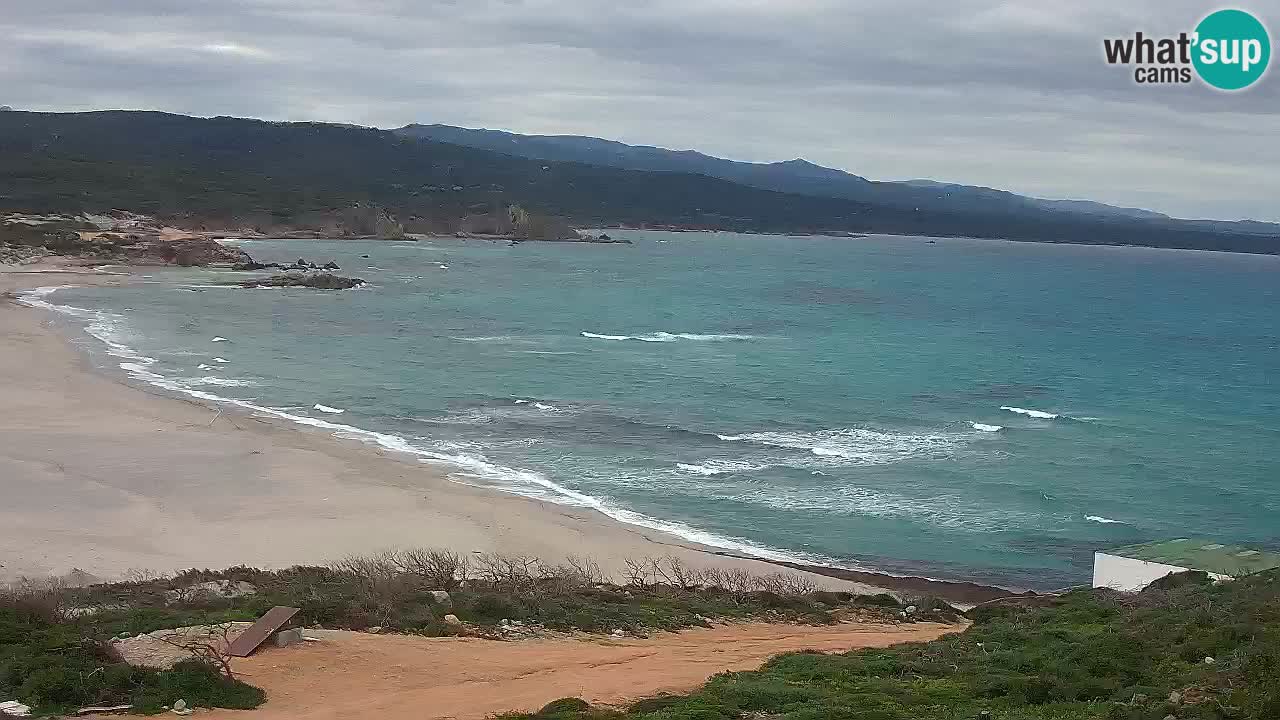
[(986, 428), (218, 339), (669, 337), (105, 327), (487, 338), (221, 360), (854, 446), (1030, 413), (214, 380), (709, 468), (1103, 520), (327, 409)]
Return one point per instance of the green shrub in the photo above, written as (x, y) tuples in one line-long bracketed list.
[(565, 706)]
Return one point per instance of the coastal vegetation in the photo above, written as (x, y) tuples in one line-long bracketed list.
[(58, 648), (339, 181), (1182, 648)]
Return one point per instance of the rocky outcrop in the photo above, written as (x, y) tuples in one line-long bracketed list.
[(186, 252), (318, 281), (300, 265), (126, 241)]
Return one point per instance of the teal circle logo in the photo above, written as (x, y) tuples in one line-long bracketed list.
[(1232, 49)]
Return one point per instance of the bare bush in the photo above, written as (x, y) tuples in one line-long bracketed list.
[(44, 598), (639, 573), (785, 584), (512, 573), (441, 569), (673, 572), (140, 576), (574, 573), (205, 645), (372, 567)]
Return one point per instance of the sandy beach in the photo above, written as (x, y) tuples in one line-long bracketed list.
[(108, 478)]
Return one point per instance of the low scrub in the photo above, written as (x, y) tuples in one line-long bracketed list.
[(56, 652), (1184, 648), (58, 663)]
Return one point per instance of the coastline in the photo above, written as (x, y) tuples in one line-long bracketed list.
[(90, 462)]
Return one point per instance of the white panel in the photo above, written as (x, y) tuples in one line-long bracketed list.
[(1127, 574)]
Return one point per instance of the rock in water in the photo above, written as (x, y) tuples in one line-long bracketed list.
[(319, 281)]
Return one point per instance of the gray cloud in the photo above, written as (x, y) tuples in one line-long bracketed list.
[(1006, 94)]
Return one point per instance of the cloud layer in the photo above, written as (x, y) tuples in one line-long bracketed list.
[(1007, 94)]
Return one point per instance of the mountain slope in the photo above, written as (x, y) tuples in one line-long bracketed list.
[(231, 169), (793, 176)]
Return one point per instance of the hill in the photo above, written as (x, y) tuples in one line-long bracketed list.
[(793, 176), (231, 172)]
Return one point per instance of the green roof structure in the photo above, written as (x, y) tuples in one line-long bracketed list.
[(1199, 554)]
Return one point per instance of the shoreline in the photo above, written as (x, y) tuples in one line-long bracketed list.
[(386, 487)]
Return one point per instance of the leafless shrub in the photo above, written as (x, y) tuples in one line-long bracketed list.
[(736, 580), (587, 568), (139, 576), (511, 573), (674, 573), (638, 573), (372, 567), (209, 647), (785, 584), (574, 573), (441, 569), (44, 598)]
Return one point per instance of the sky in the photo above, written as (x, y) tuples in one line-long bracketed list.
[(1013, 95)]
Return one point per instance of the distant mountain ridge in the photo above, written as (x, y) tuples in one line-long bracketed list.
[(797, 176), (242, 173)]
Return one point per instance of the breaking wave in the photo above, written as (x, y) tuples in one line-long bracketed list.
[(1103, 520), (214, 380), (327, 409), (986, 428), (708, 468), (1030, 413), (855, 446), (670, 337)]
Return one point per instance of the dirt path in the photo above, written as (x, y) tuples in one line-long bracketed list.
[(396, 677)]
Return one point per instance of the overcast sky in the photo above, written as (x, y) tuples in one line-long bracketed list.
[(1012, 95)]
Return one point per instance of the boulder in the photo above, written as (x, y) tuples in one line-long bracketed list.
[(213, 589), (440, 597), (285, 638)]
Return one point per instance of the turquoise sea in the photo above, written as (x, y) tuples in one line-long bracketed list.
[(960, 409)]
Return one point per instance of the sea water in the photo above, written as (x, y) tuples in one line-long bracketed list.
[(958, 409)]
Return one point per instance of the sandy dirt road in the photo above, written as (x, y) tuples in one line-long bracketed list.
[(395, 677)]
